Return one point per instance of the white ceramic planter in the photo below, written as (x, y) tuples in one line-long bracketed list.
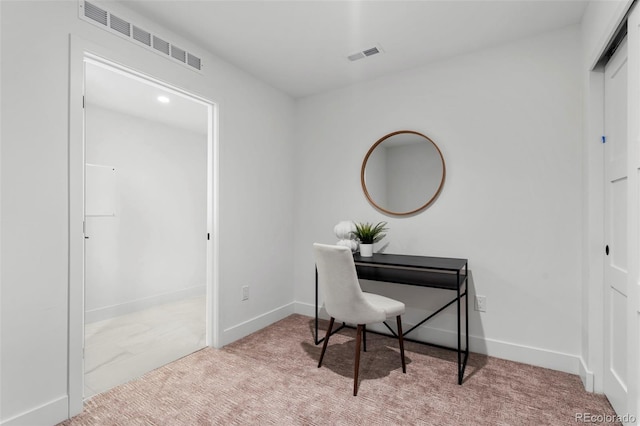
[(366, 250)]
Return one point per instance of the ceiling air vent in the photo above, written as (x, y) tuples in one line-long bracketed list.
[(372, 51), (120, 25), (178, 54), (160, 45), (365, 53), (95, 13), (91, 13), (142, 36), (194, 61)]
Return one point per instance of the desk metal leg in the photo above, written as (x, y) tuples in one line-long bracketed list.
[(459, 353), (315, 336), (466, 327), (462, 362)]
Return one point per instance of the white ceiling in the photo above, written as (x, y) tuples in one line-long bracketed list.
[(301, 47), (127, 94)]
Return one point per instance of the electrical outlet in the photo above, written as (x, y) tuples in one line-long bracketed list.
[(481, 303), (245, 292)]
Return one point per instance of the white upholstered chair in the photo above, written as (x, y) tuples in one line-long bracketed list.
[(345, 301)]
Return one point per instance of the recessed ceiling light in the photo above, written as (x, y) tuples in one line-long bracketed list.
[(163, 99)]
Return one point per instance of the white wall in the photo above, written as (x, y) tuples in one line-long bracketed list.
[(508, 122), (255, 200), (153, 250)]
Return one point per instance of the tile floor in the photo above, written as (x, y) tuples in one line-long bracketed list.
[(120, 349)]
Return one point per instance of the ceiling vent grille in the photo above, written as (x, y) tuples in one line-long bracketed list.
[(372, 51), (178, 54), (91, 13), (95, 13), (194, 61), (160, 45), (365, 53), (120, 25), (142, 36)]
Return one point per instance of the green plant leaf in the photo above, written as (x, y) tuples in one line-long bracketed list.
[(368, 233)]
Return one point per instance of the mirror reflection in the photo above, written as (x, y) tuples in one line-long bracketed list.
[(403, 173)]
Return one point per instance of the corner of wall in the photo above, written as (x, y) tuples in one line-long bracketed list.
[(302, 308), (586, 376), (238, 331)]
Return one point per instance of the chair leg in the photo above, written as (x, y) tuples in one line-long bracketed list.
[(401, 342), (326, 340), (364, 337), (356, 368)]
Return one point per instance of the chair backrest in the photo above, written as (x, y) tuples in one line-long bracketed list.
[(338, 281)]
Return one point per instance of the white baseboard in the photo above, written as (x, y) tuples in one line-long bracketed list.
[(545, 358), (306, 309), (50, 413), (112, 311), (586, 376), (511, 351), (245, 328)]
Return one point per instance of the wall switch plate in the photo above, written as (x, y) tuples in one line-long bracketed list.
[(481, 304), (245, 292)]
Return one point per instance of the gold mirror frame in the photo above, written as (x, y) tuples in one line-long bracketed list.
[(429, 201)]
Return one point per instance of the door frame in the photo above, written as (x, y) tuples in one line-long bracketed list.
[(80, 50), (633, 214), (592, 359)]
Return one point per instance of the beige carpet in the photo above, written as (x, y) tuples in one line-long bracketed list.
[(271, 377)]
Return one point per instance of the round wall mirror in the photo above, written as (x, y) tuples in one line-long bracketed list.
[(402, 173)]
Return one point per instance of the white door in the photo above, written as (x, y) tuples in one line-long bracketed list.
[(615, 276)]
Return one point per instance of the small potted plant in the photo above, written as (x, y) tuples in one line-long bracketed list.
[(367, 234)]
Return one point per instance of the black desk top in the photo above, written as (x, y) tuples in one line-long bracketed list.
[(401, 260), (435, 272)]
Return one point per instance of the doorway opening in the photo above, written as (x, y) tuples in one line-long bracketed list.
[(147, 224)]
